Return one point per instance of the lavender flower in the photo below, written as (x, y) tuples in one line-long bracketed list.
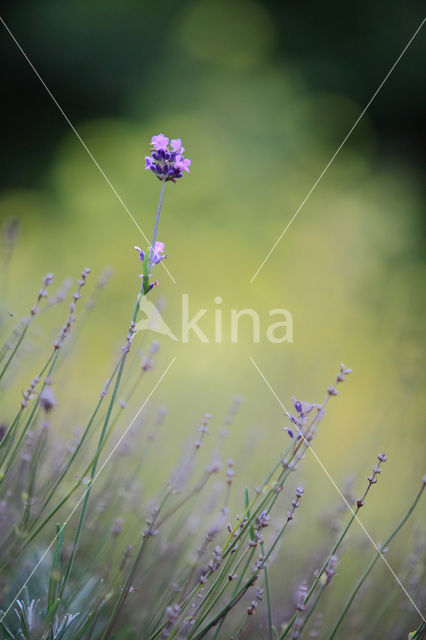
[(303, 409), (157, 255), (167, 163)]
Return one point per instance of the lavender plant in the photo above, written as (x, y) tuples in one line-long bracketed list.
[(194, 569)]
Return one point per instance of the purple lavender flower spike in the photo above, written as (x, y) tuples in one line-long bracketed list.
[(167, 163), (158, 256), (289, 431)]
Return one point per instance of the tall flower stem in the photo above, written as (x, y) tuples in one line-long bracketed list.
[(42, 294), (76, 451), (7, 464), (126, 589), (15, 423), (251, 579), (14, 350), (336, 546), (93, 473), (374, 560), (268, 598), (157, 220), (104, 431)]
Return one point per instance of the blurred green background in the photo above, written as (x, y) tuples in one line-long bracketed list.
[(261, 95)]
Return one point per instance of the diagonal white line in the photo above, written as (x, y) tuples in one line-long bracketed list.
[(361, 115), (95, 162), (4, 614), (343, 497)]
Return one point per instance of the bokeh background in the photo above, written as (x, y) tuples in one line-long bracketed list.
[(261, 93)]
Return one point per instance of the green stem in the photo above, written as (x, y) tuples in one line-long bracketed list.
[(67, 466), (15, 349), (373, 562), (268, 598), (311, 609), (224, 612), (32, 479), (240, 628), (237, 586), (91, 479), (125, 591), (13, 426), (51, 361), (251, 580), (109, 411), (215, 593), (332, 553), (157, 220)]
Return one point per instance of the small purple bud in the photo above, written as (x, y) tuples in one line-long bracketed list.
[(298, 406)]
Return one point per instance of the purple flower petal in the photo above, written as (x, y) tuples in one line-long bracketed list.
[(160, 142)]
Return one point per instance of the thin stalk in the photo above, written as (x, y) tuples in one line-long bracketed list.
[(9, 436), (318, 576), (251, 580), (208, 603), (125, 591), (92, 476), (196, 490), (42, 294), (226, 609), (236, 635), (332, 553), (320, 573), (15, 423), (14, 350), (68, 464), (232, 539), (32, 479), (245, 531), (268, 598), (52, 362), (157, 220), (15, 552), (60, 504), (311, 609), (109, 411), (237, 586), (373, 562)]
